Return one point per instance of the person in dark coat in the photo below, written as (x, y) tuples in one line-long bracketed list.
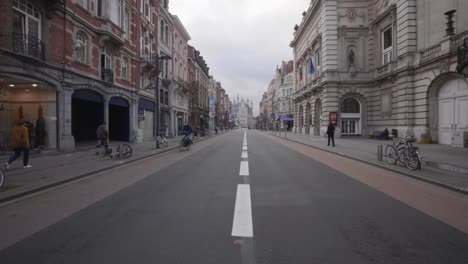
[(331, 134), (20, 144), (102, 136)]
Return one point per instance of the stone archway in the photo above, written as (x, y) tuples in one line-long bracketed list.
[(317, 117), (87, 114), (352, 115), (443, 96)]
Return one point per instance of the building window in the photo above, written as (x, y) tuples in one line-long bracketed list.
[(161, 96), (166, 35), (387, 45), (166, 98), (100, 8), (106, 58), (350, 105), (126, 23), (161, 31), (83, 3), (81, 44), (151, 43), (26, 18), (142, 41), (125, 68)]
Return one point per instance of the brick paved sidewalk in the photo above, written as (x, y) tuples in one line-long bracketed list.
[(50, 170), (442, 165)]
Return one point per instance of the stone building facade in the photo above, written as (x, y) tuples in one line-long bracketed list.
[(381, 64)]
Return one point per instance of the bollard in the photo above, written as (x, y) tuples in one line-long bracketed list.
[(379, 152)]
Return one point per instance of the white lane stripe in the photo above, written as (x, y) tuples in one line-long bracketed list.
[(244, 168), (242, 223), (244, 155), (244, 148)]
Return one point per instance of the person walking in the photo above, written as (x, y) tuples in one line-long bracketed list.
[(102, 136), (331, 134), (20, 144)]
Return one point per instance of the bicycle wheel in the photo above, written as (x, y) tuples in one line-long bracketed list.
[(391, 154), (125, 151), (401, 152), (165, 143), (181, 145), (2, 178), (413, 162)]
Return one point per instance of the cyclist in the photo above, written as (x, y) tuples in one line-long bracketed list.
[(188, 131)]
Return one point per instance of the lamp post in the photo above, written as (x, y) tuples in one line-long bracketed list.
[(158, 59)]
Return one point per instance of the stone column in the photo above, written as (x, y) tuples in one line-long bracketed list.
[(106, 110), (66, 141), (133, 120)]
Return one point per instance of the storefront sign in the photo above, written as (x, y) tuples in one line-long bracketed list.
[(333, 118)]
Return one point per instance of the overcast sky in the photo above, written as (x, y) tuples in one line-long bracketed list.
[(241, 40)]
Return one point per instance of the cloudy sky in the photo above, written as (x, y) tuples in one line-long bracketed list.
[(241, 40)]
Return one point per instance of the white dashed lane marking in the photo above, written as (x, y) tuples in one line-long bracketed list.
[(242, 223)]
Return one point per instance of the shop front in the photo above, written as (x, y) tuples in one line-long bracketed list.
[(146, 110), (33, 102)]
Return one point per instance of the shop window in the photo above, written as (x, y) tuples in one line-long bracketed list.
[(81, 44)]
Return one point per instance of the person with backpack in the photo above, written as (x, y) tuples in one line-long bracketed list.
[(102, 136)]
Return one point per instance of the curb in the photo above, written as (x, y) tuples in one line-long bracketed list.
[(434, 182), (78, 177)]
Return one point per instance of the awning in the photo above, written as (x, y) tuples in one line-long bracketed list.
[(287, 118), (146, 104)]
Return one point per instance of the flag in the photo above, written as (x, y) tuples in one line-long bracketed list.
[(312, 68)]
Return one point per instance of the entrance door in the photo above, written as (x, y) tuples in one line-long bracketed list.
[(149, 126), (119, 119), (453, 109), (350, 117), (350, 126)]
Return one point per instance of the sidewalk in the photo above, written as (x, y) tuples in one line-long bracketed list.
[(442, 165), (56, 169)]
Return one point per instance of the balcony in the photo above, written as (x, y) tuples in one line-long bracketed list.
[(149, 61), (26, 45), (107, 75)]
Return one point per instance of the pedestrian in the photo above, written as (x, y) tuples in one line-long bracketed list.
[(20, 144), (331, 134), (102, 136), (40, 132)]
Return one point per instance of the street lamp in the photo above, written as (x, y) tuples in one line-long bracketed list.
[(156, 92)]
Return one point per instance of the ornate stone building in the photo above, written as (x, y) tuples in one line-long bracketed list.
[(381, 64)]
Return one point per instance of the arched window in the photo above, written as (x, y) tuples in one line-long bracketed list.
[(166, 98), (124, 68), (350, 105), (81, 43), (26, 18)]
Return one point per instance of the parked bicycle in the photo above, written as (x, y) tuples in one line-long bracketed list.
[(162, 141), (402, 150), (123, 151)]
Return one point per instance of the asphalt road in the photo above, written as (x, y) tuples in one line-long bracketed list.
[(301, 212)]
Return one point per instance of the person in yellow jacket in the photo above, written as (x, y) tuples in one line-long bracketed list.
[(20, 144)]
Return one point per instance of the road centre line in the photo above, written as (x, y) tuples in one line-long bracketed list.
[(242, 223), (244, 155), (244, 148), (244, 168)]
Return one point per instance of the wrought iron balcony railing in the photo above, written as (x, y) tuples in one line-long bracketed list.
[(27, 45)]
